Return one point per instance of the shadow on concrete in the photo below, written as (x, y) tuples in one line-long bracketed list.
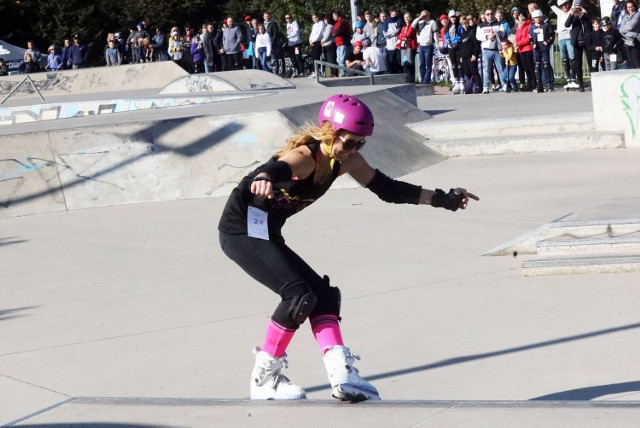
[(469, 358), (148, 136), (591, 392), (11, 240), (437, 112), (7, 314)]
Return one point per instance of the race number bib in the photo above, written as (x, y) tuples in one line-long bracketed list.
[(257, 225), (540, 35)]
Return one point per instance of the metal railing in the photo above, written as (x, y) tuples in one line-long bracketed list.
[(318, 63)]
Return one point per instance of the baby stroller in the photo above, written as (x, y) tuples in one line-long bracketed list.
[(441, 72)]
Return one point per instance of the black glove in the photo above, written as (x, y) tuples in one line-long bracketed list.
[(449, 201)]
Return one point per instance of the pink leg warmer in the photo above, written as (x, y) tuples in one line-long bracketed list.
[(326, 330), (277, 339)]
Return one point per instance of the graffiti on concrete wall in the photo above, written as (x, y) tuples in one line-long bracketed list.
[(53, 82), (630, 98)]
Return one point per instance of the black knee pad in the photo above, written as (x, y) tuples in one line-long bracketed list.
[(298, 301), (329, 299)]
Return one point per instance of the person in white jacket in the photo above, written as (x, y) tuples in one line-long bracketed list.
[(263, 48), (294, 42), (562, 11), (315, 38)]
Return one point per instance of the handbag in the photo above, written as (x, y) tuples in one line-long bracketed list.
[(629, 41), (408, 56)]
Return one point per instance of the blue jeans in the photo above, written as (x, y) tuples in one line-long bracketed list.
[(509, 76), (566, 49), (489, 58), (262, 55), (341, 53), (425, 57)]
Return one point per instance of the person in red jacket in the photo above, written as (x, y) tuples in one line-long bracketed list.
[(408, 45), (525, 49), (342, 36)]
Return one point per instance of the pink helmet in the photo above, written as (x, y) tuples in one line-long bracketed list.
[(348, 113)]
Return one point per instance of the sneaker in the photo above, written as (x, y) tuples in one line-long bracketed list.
[(456, 88), (574, 85), (346, 382), (485, 91), (312, 76), (267, 383)]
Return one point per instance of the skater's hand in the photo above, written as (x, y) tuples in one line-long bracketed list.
[(465, 197), (262, 186)]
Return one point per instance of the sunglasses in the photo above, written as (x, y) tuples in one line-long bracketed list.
[(349, 145)]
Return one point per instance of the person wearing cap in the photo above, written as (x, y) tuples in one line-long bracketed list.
[(427, 31), (358, 32), (54, 61), (375, 62), (489, 34), (542, 37), (250, 234), (393, 25), (567, 53), (77, 53), (175, 46), (354, 58), (612, 44), (580, 24)]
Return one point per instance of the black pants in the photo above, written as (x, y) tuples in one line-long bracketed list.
[(297, 57), (330, 56), (577, 63), (528, 66), (280, 269)]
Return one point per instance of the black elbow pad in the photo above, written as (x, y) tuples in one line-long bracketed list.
[(393, 191)]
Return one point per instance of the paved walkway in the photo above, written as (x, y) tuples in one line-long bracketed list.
[(139, 302)]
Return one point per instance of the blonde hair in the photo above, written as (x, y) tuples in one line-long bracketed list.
[(308, 134)]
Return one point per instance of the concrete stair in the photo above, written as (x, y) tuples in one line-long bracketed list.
[(509, 136), (578, 246)]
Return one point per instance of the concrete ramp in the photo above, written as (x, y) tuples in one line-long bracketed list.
[(138, 162), (154, 75), (393, 148), (227, 81)]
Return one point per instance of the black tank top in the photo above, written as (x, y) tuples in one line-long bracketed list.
[(289, 198)]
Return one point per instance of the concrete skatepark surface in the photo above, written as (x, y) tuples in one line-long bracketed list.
[(130, 315)]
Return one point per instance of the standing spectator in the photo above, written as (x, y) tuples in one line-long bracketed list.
[(271, 27), (630, 30), (427, 38), (132, 46), (4, 70), (249, 38), (523, 41), (252, 43), (65, 54), (294, 42), (580, 24), (408, 44), (567, 52), (77, 53), (219, 60), (112, 55), (29, 65), (141, 34), (612, 44), (329, 44), (452, 38), (370, 27), (617, 12), (358, 33), (488, 35), (468, 53), (393, 25), (54, 61), (315, 40), (508, 53), (175, 48), (208, 48), (595, 47), (197, 54), (542, 37), (263, 47), (342, 35), (33, 51), (159, 43), (231, 41)]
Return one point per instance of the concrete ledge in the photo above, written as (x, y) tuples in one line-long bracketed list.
[(589, 246), (581, 265), (227, 81), (616, 103), (384, 79), (507, 144)]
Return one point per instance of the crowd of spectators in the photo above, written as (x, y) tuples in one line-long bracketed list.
[(483, 53)]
